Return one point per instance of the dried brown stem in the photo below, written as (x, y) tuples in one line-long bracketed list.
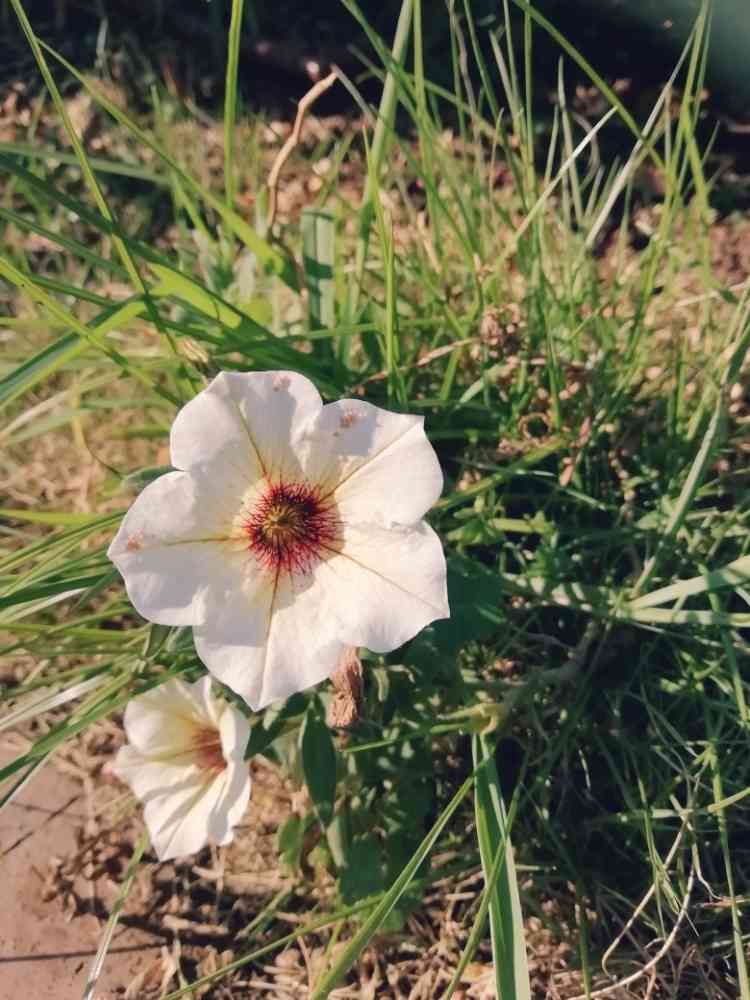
[(292, 142)]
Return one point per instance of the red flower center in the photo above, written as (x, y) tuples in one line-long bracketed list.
[(290, 528)]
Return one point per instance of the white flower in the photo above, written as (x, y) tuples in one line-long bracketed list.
[(185, 762), (293, 531)]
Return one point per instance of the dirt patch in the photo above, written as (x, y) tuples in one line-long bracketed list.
[(66, 842), (41, 953)]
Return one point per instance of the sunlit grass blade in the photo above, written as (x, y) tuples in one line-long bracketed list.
[(737, 929), (731, 575), (369, 928), (230, 98), (40, 366), (670, 616), (33, 766), (78, 149), (595, 77), (101, 952), (318, 231), (49, 701), (276, 260), (91, 334), (68, 586), (506, 919), (326, 921), (381, 137)]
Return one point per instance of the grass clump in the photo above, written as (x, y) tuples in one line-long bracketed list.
[(579, 352)]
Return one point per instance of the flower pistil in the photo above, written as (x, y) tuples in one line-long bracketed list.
[(208, 752), (291, 528)]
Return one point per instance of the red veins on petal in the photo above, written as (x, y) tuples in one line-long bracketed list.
[(290, 528), (208, 752)]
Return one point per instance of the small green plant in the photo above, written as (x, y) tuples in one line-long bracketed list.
[(585, 401)]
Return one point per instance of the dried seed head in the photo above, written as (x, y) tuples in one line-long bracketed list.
[(346, 706)]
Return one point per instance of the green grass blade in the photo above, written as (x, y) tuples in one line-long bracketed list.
[(675, 616), (92, 334), (84, 253), (20, 784), (99, 163), (49, 701), (737, 929), (318, 262), (101, 952), (230, 98), (68, 586), (506, 918), (596, 78), (731, 575), (279, 263), (78, 149), (40, 366), (361, 939), (53, 518), (380, 139), (688, 492), (314, 925)]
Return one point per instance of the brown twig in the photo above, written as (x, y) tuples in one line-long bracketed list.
[(286, 150)]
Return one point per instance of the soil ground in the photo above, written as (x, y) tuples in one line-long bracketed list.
[(42, 955)]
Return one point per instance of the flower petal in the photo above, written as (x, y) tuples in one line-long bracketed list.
[(232, 803), (247, 420), (379, 465), (174, 544), (149, 776), (386, 584), (290, 646), (181, 819), (210, 431), (209, 708), (235, 732), (166, 718), (185, 802)]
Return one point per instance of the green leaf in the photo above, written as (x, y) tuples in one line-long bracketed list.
[(362, 875), (319, 763), (362, 938), (290, 839), (271, 724), (474, 594)]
